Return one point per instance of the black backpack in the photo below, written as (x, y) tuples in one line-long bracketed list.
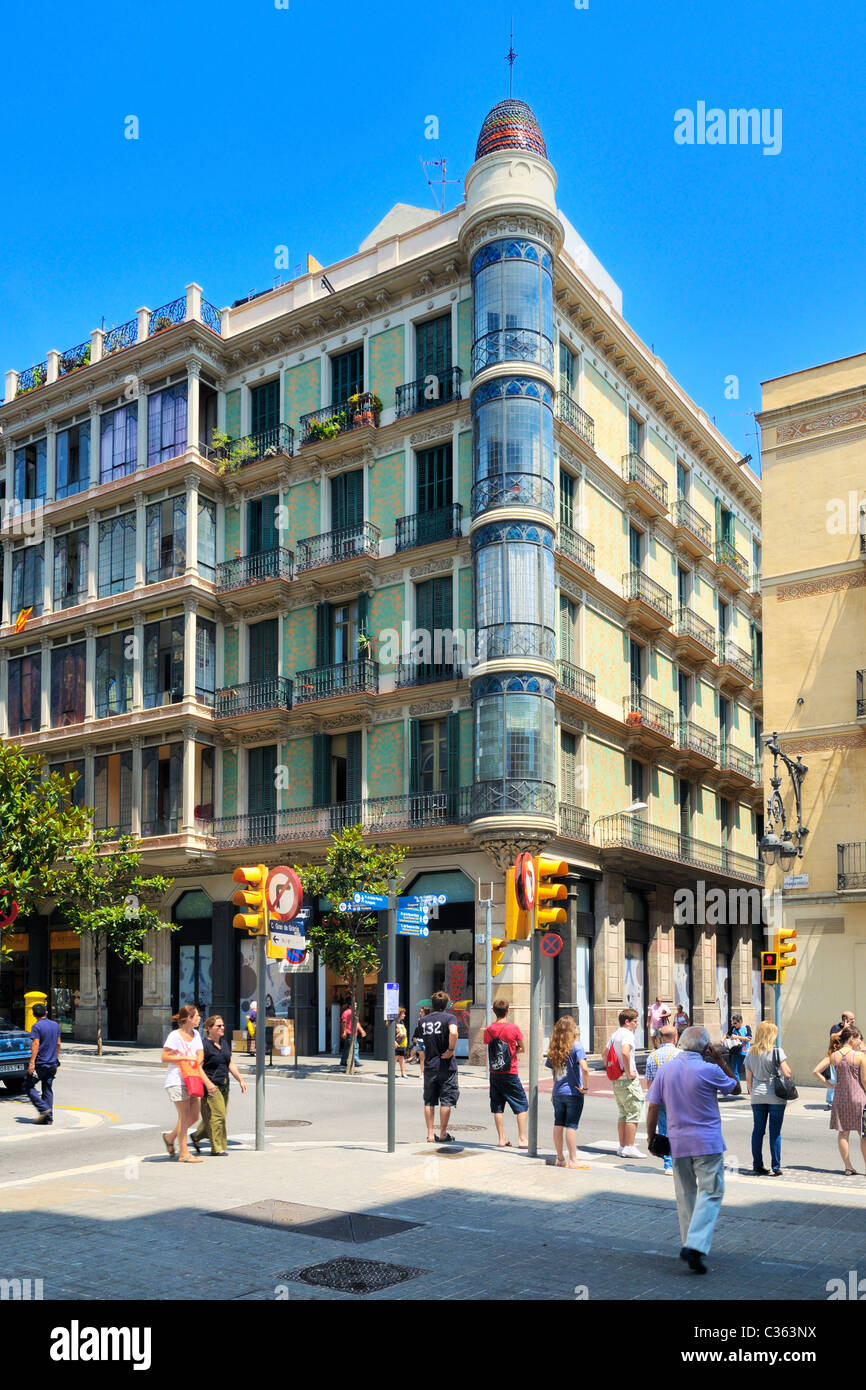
[(498, 1056)]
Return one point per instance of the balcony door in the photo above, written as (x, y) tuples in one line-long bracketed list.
[(433, 619), (337, 777), (265, 406), (347, 375), (262, 793), (433, 347), (636, 670), (434, 768), (434, 480), (347, 501), (264, 662), (262, 523)]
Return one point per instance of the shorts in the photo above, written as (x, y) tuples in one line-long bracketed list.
[(628, 1094), (400, 1051), (440, 1087), (507, 1088), (567, 1111), (177, 1093)]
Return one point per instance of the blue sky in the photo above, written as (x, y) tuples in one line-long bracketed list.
[(262, 127)]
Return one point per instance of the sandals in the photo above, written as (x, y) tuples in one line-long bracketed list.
[(560, 1163), (190, 1158), (169, 1144), (196, 1143), (447, 1139), (850, 1173)]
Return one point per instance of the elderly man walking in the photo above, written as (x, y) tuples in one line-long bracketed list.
[(687, 1087)]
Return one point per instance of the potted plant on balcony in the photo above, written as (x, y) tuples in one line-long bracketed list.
[(160, 323), (69, 364), (365, 647), (634, 717), (231, 454)]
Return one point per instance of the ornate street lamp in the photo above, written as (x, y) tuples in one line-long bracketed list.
[(779, 844)]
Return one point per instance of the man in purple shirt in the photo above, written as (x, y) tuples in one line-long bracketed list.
[(687, 1087)]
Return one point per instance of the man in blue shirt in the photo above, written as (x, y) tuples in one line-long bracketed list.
[(667, 1048), (44, 1061)]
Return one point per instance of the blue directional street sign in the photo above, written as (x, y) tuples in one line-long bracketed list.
[(411, 929), (376, 902), (420, 919), (422, 899)]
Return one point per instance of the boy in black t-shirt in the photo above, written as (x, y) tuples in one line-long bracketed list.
[(439, 1033)]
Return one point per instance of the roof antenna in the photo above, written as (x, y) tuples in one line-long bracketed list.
[(511, 58), (438, 194)]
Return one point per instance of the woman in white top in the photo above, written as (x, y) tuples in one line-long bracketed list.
[(185, 1042)]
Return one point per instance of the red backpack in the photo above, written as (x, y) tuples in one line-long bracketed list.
[(612, 1066)]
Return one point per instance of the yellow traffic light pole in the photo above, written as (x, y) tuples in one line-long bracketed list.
[(549, 894), (255, 920)]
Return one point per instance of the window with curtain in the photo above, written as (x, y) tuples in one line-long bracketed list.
[(513, 435), (118, 442), (206, 538), (514, 584), (67, 685), (166, 423), (29, 477), (205, 661), (166, 539), (25, 694), (513, 289), (70, 568), (116, 570), (162, 789), (73, 460), (347, 375), (163, 663), (114, 671), (27, 579), (112, 792)]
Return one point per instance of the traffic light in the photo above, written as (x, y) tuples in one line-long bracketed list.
[(497, 951), (786, 939), (769, 968), (517, 922), (251, 898), (550, 893)]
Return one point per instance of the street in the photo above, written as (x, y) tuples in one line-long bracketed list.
[(94, 1207)]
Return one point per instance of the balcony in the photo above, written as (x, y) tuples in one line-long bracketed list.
[(514, 797), (649, 606), (383, 815), (264, 567), (73, 358), (579, 684), (335, 547), (233, 702), (378, 815), (571, 414), (125, 335), (644, 487), (632, 836), (327, 682), (511, 345), (692, 533), (737, 770), (333, 420), (851, 866), (428, 392), (32, 378), (426, 528), (515, 640), (861, 695), (699, 748), (574, 822), (231, 455), (167, 316), (512, 490), (694, 639), (736, 665), (650, 725), (410, 673), (576, 548), (733, 567)]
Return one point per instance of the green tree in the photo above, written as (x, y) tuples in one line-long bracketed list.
[(102, 893), (38, 827), (346, 941)]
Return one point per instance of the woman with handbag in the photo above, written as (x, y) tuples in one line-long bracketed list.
[(218, 1065), (766, 1074), (849, 1097), (182, 1052)]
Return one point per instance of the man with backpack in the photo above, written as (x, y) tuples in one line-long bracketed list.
[(621, 1070), (667, 1048), (504, 1041)]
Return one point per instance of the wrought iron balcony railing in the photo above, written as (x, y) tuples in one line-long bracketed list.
[(428, 392), (686, 516), (851, 865), (732, 655), (690, 625), (733, 759), (377, 815), (32, 378), (512, 345), (861, 694), (252, 448), (637, 585), (640, 711), (574, 822), (692, 737), (247, 570), (116, 339), (417, 811), (331, 420), (167, 316), (635, 469), (427, 672), (425, 528), (73, 358), (273, 693), (727, 554), (575, 547), (512, 490), (349, 543), (568, 410), (624, 831), (513, 796), (346, 678), (515, 639), (575, 681), (211, 316)]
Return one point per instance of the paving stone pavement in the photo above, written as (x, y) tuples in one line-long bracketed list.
[(493, 1225)]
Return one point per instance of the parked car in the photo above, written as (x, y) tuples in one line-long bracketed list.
[(14, 1055)]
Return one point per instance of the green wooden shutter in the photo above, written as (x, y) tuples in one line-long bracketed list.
[(718, 519), (453, 734), (353, 765), (269, 521), (323, 637), (254, 781), (364, 613), (414, 757), (321, 769)]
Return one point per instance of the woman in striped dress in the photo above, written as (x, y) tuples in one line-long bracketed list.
[(850, 1097)]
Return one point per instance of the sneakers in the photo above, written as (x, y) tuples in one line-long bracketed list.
[(694, 1259), (619, 1151), (631, 1151)]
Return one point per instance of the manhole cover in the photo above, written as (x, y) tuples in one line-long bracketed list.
[(347, 1275), (355, 1228), (286, 1124)]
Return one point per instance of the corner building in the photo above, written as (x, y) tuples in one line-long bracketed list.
[(472, 571)]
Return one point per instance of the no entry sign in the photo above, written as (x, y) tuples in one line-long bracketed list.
[(551, 944), (524, 881), (284, 893)]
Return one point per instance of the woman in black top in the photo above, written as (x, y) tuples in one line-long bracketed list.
[(216, 1064)]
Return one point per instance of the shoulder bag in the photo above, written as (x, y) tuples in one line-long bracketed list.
[(782, 1085)]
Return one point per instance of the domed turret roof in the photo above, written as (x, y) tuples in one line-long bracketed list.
[(511, 125)]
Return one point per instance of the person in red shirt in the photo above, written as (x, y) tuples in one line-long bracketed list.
[(504, 1041)]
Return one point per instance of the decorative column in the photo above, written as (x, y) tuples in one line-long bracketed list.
[(190, 606), (141, 439), (188, 801), (191, 482), (193, 372), (89, 775), (705, 1010), (660, 956), (137, 785), (92, 553), (48, 569), (5, 616), (137, 665), (50, 461), (140, 539), (90, 672), (4, 694), (95, 446), (45, 714), (741, 973), (608, 955)]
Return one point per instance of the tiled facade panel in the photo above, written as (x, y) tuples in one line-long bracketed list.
[(464, 599), (605, 655), (230, 782), (302, 391), (299, 641), (663, 810), (385, 483), (607, 788), (464, 339), (387, 611), (233, 413), (660, 456), (605, 525), (466, 768), (387, 364), (231, 656), (463, 494), (609, 412), (304, 514), (385, 760), (705, 823), (232, 532), (665, 682), (298, 757)]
